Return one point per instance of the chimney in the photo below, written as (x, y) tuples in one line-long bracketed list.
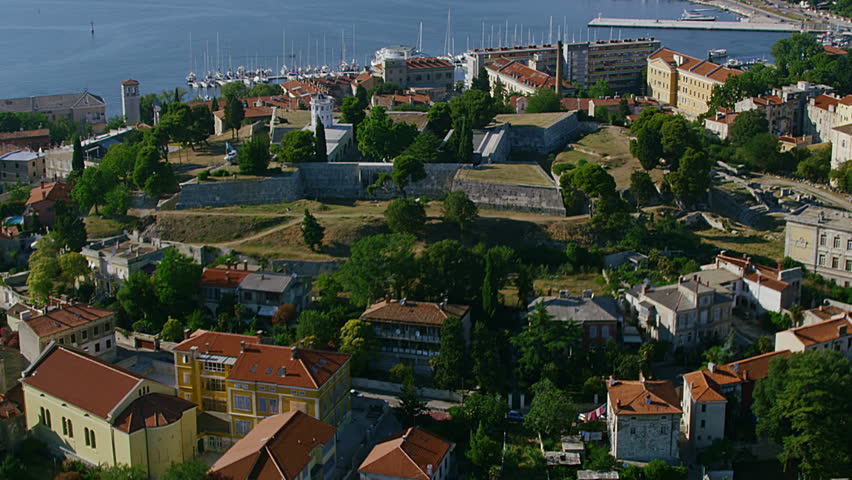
[(611, 381), (712, 367), (559, 69), (843, 330), (641, 377), (207, 347), (618, 403), (648, 399), (429, 470), (242, 346), (293, 353), (185, 333), (245, 265), (736, 367), (645, 287)]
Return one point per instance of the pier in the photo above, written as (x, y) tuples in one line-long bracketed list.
[(698, 25)]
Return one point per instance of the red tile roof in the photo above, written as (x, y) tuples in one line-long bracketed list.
[(277, 448), (524, 74), (832, 50), (407, 454), (706, 384), (286, 366), (821, 332), (413, 313), (693, 65), (50, 191), (81, 380), (130, 82), (22, 134), (643, 397), (222, 278), (227, 344), (825, 101), (571, 103), (824, 312), (152, 410), (65, 318)]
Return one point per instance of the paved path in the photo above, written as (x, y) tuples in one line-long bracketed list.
[(826, 196)]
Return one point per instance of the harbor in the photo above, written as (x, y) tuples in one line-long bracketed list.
[(743, 26)]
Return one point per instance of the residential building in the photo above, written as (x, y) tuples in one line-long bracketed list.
[(264, 292), (58, 160), (27, 139), (821, 117), (720, 124), (76, 107), (685, 313), (288, 446), (43, 198), (89, 410), (115, 259), (519, 79), (13, 289), (841, 145), (612, 105), (599, 316), (91, 329), (784, 107), (830, 309), (543, 57), (713, 398), (216, 283), (831, 334), (620, 63), (754, 286), (410, 454), (390, 101), (22, 166), (432, 76), (242, 381), (410, 332), (683, 81), (20, 312), (366, 80), (820, 238), (643, 419)]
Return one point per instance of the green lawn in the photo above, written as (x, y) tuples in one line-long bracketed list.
[(99, 227), (507, 173), (541, 120)]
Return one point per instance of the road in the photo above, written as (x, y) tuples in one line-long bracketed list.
[(393, 401), (826, 196)]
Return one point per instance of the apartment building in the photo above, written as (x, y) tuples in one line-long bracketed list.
[(77, 107), (719, 394), (238, 379), (27, 139), (757, 287), (820, 238), (540, 57), (261, 293), (831, 334), (685, 313), (719, 125), (409, 332), (115, 259), (432, 75), (90, 329), (519, 79), (413, 453), (821, 117), (43, 198), (683, 81), (292, 445), (599, 316), (22, 166), (89, 410), (643, 419), (784, 108)]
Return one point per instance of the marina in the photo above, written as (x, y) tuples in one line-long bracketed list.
[(743, 26)]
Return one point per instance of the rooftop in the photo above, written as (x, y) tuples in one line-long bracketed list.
[(579, 309), (227, 344), (286, 366), (678, 296), (692, 65), (642, 397), (524, 74), (65, 318), (20, 156), (50, 102), (266, 282), (40, 132), (706, 384), (407, 454), (823, 217), (822, 332), (413, 313), (150, 411), (429, 62), (222, 278), (50, 191)]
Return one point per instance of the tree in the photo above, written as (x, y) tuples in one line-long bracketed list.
[(172, 330), (214, 104), (176, 281), (234, 90), (234, 114), (600, 89), (116, 201), (121, 159), (660, 470), (147, 161), (202, 123), (189, 470), (486, 358), (440, 118), (410, 404), (322, 152), (692, 178), (483, 451), (352, 111), (297, 146), (463, 140), (379, 137), (69, 230), (77, 164), (253, 158), (817, 166), (487, 410), (748, 125), (121, 472), (317, 325), (794, 54), (460, 210), (489, 289), (551, 411), (803, 405), (544, 100), (675, 137), (426, 148), (647, 148), (642, 187), (358, 339), (379, 265), (451, 361), (448, 271), (90, 190), (762, 152), (312, 231), (543, 341), (842, 176), (474, 105), (138, 298), (481, 81), (405, 215), (593, 180), (161, 181)]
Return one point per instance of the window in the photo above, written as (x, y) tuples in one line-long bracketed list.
[(836, 242), (73, 338), (703, 407), (86, 436), (95, 330), (214, 384), (821, 260), (70, 429), (633, 430), (184, 358), (214, 367), (108, 344), (92, 438), (703, 423), (849, 265), (97, 347), (242, 426), (64, 426), (267, 405), (835, 262), (214, 405), (849, 244), (186, 377), (84, 334), (242, 402), (605, 331), (593, 332), (822, 240)]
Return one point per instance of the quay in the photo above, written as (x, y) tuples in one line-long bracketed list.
[(697, 25)]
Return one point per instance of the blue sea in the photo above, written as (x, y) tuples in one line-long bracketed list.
[(48, 46)]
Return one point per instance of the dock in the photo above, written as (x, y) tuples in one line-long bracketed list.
[(698, 25)]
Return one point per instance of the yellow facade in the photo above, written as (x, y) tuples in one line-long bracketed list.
[(683, 88), (662, 82), (693, 94), (801, 243)]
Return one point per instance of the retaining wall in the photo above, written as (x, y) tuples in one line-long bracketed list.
[(252, 192), (351, 180), (547, 139), (523, 198)]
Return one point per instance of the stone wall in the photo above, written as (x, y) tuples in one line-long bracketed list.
[(547, 139), (350, 180), (254, 192), (523, 198)]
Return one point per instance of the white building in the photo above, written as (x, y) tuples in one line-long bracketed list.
[(754, 286), (832, 334), (114, 259), (643, 419), (339, 138), (90, 329), (841, 145)]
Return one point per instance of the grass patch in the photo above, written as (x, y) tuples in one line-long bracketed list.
[(540, 120), (329, 207), (507, 174), (99, 227), (575, 284), (213, 228), (340, 234), (767, 248)]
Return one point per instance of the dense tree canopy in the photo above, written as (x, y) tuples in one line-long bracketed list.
[(379, 265), (544, 100)]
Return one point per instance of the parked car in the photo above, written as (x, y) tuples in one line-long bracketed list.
[(515, 416), (231, 156)]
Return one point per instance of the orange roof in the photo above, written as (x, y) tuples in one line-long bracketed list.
[(50, 191), (610, 102), (726, 118), (693, 65), (227, 344), (361, 78), (825, 101), (222, 278), (286, 366), (130, 82), (821, 332), (395, 99), (81, 380), (832, 50), (635, 397), (824, 312), (413, 313), (706, 384), (66, 317), (524, 74), (571, 103), (407, 454), (152, 410), (39, 132), (430, 62), (277, 448)]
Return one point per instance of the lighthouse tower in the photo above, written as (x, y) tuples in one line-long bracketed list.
[(322, 106), (130, 101)]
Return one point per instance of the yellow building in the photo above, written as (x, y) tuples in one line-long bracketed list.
[(88, 409), (238, 380), (684, 82), (287, 446)]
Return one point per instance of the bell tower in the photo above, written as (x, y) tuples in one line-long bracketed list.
[(322, 106), (130, 101)]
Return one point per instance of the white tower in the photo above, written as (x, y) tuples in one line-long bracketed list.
[(322, 106), (130, 101)]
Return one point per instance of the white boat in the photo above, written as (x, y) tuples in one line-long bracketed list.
[(396, 51), (696, 17), (717, 53), (191, 77)]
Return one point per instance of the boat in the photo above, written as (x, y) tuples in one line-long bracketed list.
[(397, 51), (693, 16), (191, 77), (717, 53)]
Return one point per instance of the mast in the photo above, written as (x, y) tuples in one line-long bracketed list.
[(420, 38), (218, 54)]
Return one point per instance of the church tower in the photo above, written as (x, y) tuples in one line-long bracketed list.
[(130, 101), (322, 106)]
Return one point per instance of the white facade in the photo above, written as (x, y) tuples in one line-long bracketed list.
[(841, 145), (832, 334), (322, 107), (702, 421)]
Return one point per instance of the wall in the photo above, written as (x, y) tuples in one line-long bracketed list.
[(222, 194), (525, 198), (389, 387), (350, 180), (545, 140)]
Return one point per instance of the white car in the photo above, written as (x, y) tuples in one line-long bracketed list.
[(231, 156)]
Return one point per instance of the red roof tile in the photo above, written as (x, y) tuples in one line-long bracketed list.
[(524, 74), (21, 134), (413, 313), (50, 191), (280, 366), (821, 332), (407, 454), (66, 317), (227, 344), (152, 410), (706, 384), (825, 101), (832, 50), (643, 397), (222, 278)]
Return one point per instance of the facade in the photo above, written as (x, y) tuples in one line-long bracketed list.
[(821, 117), (77, 107), (841, 145), (719, 394), (27, 139), (820, 238), (90, 329), (432, 75), (22, 166), (599, 317), (785, 108), (261, 293), (238, 379), (90, 410), (720, 124), (754, 286), (284, 447), (216, 283), (544, 57), (339, 137), (410, 332), (407, 455), (683, 81), (685, 313), (831, 334), (130, 101), (44, 197), (643, 420), (58, 160), (519, 79), (115, 259)]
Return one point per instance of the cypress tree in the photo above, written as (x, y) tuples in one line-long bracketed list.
[(489, 290), (77, 164), (322, 153), (465, 143), (214, 105)]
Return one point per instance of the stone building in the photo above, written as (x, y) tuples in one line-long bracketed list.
[(43, 199), (432, 76), (519, 79), (600, 317), (757, 287), (114, 259), (78, 107), (841, 145), (784, 107), (643, 419), (820, 238), (22, 166), (821, 117), (130, 101)]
